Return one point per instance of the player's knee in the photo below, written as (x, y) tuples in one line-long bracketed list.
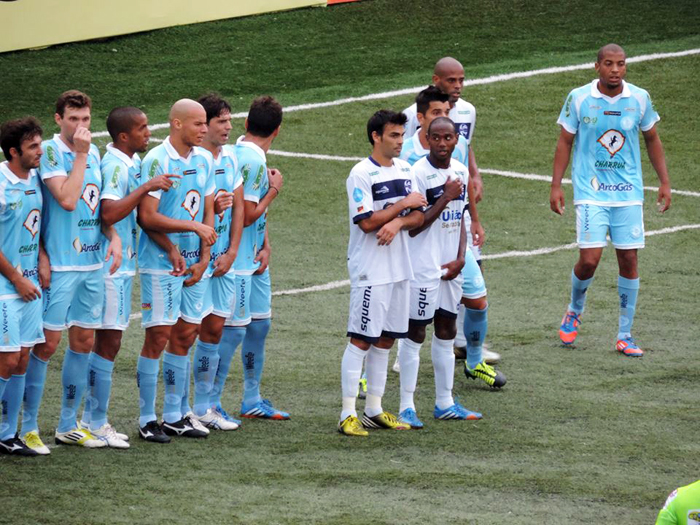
[(108, 344), (155, 341), (21, 367), (259, 328), (47, 349), (445, 328), (211, 329), (476, 304), (416, 333), (10, 362)]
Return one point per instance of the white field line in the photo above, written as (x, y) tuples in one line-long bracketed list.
[(473, 82), (505, 255)]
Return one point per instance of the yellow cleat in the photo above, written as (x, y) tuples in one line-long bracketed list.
[(350, 426), (33, 441), (384, 420), (81, 437)]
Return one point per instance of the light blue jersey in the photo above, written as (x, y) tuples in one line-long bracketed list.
[(253, 167), (228, 178), (183, 201), (121, 175), (74, 239), (413, 150), (20, 222), (607, 168)]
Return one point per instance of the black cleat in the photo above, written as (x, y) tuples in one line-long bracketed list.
[(153, 432), (16, 447), (183, 428)]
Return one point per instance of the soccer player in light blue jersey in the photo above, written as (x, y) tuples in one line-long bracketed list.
[(212, 362), (20, 294), (172, 304), (121, 194), (72, 236), (601, 122), (249, 323)]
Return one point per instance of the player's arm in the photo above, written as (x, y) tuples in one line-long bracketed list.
[(657, 157), (253, 210), (453, 189), (453, 268), (196, 270), (380, 218), (263, 256), (114, 210), (176, 259), (151, 220), (562, 154), (114, 249), (477, 230), (26, 289), (44, 266), (411, 221), (66, 190), (236, 230), (475, 176)]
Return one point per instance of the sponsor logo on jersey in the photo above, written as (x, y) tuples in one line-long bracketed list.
[(245, 173), (631, 109), (360, 208), (192, 203), (51, 156), (30, 192), (114, 181), (84, 247), (91, 196), (189, 172), (219, 171), (357, 194), (373, 173), (153, 170), (32, 222), (594, 107), (431, 177), (258, 178), (88, 223), (407, 184), (464, 129), (382, 190), (190, 254), (613, 113), (422, 301), (590, 120), (567, 106), (612, 140), (28, 248), (610, 164)]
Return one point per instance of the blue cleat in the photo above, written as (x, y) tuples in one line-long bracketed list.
[(263, 410), (569, 327), (410, 417), (226, 415), (456, 411), (628, 347)]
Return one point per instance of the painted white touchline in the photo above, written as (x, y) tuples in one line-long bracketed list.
[(540, 251), (471, 82)]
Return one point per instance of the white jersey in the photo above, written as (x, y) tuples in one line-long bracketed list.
[(371, 188), (439, 243), (463, 114)]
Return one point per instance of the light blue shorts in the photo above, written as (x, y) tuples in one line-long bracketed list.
[(625, 224), (74, 299), (473, 285), (165, 299), (221, 294), (20, 324), (253, 299), (117, 304)]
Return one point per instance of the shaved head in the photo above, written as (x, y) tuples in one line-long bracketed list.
[(447, 65), (186, 108), (609, 48), (188, 122)]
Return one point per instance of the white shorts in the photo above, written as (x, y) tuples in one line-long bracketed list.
[(379, 311), (438, 297), (117, 304)]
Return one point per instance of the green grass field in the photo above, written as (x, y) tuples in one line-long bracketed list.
[(579, 435)]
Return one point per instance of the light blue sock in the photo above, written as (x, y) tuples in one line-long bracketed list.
[(628, 289), (578, 293), (147, 380), (11, 404), (206, 362), (33, 392), (87, 407), (253, 356), (475, 326), (185, 403), (174, 375), (100, 381), (231, 338), (74, 381), (3, 386)]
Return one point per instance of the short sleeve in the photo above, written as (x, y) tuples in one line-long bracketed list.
[(253, 173), (211, 179), (568, 118), (151, 167), (51, 164), (360, 200), (650, 116), (115, 179)]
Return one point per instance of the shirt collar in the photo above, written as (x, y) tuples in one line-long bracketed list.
[(62, 146), (129, 161), (225, 152), (14, 179), (172, 152), (595, 92), (242, 142)]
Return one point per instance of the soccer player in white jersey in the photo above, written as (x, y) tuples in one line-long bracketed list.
[(173, 304), (601, 122), (121, 194), (230, 214), (437, 250), (71, 232), (383, 207), (20, 294)]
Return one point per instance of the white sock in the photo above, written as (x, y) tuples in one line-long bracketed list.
[(350, 372), (376, 369), (444, 366), (460, 340), (409, 360)]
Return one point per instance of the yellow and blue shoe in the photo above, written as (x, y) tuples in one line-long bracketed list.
[(33, 441), (456, 411), (486, 373), (569, 327), (410, 417), (628, 347), (79, 436), (351, 426), (385, 420)]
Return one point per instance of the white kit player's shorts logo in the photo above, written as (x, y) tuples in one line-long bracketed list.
[(192, 202), (612, 140), (32, 222), (221, 215), (91, 196)]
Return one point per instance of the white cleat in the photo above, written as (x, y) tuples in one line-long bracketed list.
[(107, 434), (120, 435), (490, 357), (212, 419), (194, 421), (79, 436), (33, 441)]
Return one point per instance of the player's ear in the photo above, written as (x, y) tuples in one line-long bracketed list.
[(277, 131), (245, 124), (57, 118)]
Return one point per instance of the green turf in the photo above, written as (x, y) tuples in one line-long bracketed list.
[(579, 435)]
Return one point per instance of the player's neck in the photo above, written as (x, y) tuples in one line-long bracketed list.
[(381, 159), (66, 141), (263, 143), (609, 92), (212, 148), (439, 164), (179, 145), (124, 149), (17, 169)]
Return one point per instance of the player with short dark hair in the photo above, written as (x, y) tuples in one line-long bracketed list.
[(605, 118)]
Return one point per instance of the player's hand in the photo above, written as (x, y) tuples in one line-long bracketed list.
[(44, 270), (223, 201), (81, 140), (478, 185), (556, 200), (453, 188), (478, 235), (162, 182), (205, 232), (177, 261), (196, 271), (223, 264), (664, 199), (275, 178), (415, 200), (114, 250), (26, 289), (263, 257), (387, 232), (452, 269)]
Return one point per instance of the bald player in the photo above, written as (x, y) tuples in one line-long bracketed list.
[(172, 302)]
